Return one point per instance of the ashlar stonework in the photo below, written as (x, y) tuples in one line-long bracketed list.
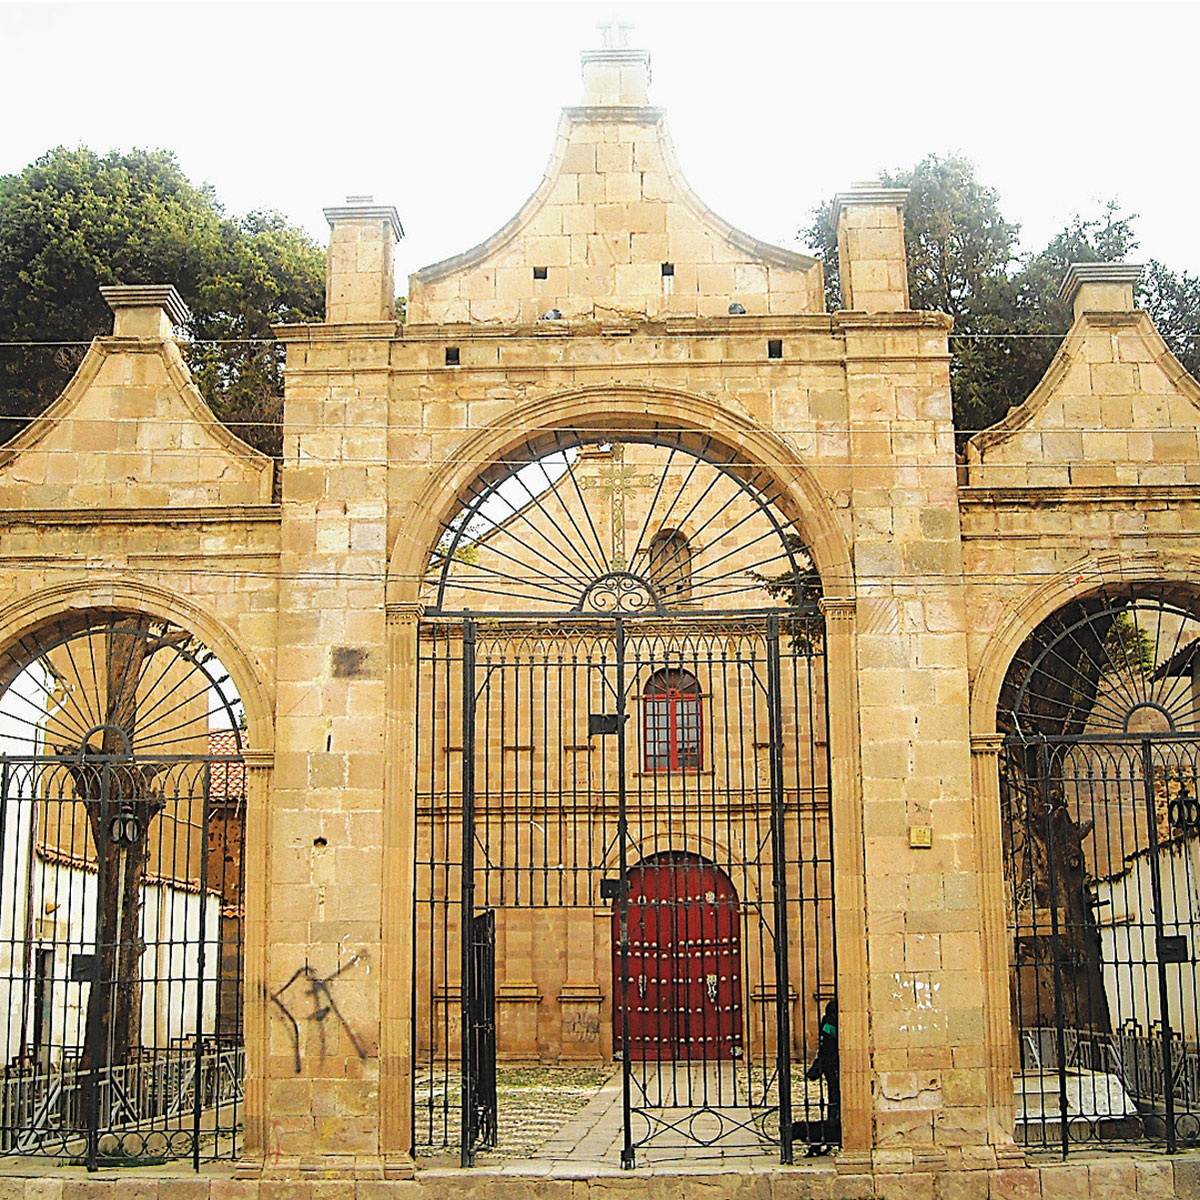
[(617, 304)]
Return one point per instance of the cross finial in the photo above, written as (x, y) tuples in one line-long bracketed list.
[(615, 34)]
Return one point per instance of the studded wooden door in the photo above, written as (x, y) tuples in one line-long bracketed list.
[(683, 990)]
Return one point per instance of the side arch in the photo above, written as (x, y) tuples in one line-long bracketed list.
[(634, 413), (116, 593), (1179, 577)]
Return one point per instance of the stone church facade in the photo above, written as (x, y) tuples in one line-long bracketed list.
[(309, 581)]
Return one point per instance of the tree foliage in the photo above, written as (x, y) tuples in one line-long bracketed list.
[(75, 220), (1008, 320)]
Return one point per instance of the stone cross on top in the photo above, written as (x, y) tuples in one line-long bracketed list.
[(615, 34)]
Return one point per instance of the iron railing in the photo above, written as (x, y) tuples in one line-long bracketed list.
[(536, 801)]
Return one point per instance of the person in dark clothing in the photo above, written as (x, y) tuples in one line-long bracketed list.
[(822, 1135)]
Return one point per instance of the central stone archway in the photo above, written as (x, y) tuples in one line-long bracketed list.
[(550, 608)]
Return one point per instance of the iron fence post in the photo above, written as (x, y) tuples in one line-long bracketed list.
[(1055, 943), (623, 899), (467, 1132), (783, 988), (1164, 1008), (201, 961)]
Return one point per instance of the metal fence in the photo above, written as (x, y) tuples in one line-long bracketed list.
[(643, 804), (1102, 838), (121, 885)]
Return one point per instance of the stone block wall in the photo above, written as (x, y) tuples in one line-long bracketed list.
[(127, 492)]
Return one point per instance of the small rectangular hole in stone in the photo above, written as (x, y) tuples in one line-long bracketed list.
[(452, 356), (540, 272), (668, 269), (775, 348)]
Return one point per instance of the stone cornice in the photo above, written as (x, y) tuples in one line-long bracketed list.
[(187, 515), (1115, 497), (859, 322), (635, 326), (148, 295), (366, 212), (357, 331), (613, 114), (1097, 272)]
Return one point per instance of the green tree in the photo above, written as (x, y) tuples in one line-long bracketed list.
[(1008, 320), (75, 220)]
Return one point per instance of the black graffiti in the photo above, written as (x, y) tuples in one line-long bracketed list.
[(320, 992)]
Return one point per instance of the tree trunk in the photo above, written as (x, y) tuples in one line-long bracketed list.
[(1044, 841), (118, 795)]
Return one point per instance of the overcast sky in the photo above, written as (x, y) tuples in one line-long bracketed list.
[(448, 111)]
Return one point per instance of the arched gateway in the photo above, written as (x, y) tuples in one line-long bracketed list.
[(122, 818), (1098, 788), (621, 686)]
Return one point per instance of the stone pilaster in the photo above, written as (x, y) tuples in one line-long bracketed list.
[(324, 944), (995, 940), (849, 885), (872, 263), (257, 860), (922, 914), (399, 890), (360, 280)]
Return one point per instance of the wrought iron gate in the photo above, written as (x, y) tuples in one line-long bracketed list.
[(122, 812), (558, 759), (1106, 975), (1099, 779)]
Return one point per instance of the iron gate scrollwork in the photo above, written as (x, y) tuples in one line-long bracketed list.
[(623, 755), (541, 731), (1098, 777), (122, 806)]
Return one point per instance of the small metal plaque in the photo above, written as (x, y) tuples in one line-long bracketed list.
[(85, 968), (920, 837), (611, 889), (1173, 948), (602, 723)]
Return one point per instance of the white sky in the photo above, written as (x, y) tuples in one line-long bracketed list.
[(448, 111)]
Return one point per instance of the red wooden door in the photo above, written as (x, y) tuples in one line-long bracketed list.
[(683, 991)]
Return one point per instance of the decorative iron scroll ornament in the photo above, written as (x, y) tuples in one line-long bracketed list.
[(1112, 666), (641, 527), (620, 592), (117, 685)]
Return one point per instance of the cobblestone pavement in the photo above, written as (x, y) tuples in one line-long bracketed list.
[(563, 1119), (534, 1103)]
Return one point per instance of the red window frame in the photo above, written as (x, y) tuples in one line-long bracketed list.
[(672, 723)]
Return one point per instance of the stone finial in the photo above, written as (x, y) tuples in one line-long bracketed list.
[(615, 74), (360, 270), (869, 219), (145, 310), (1100, 287)]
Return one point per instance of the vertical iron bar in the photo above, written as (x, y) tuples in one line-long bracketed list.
[(623, 897), (97, 1052), (783, 1030), (467, 884), (1055, 945), (1164, 1007), (198, 1098)]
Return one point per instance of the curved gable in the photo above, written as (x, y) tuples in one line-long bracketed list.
[(131, 430), (1115, 407), (613, 208)]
